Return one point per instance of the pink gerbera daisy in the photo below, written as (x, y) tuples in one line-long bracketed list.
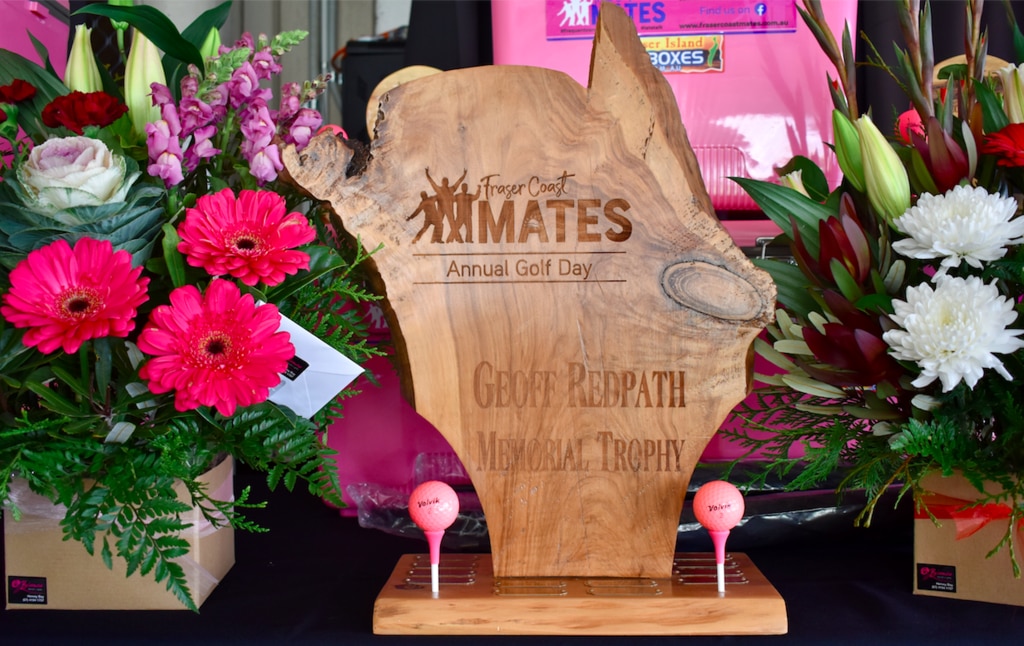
[(219, 349), (250, 238), (66, 297)]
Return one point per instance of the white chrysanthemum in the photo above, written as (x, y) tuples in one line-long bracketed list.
[(954, 332), (965, 224)]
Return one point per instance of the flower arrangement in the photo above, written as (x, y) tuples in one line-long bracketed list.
[(898, 349), (151, 254)]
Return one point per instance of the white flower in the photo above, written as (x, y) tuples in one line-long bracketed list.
[(795, 181), (966, 224), (885, 176), (73, 171), (953, 332), (1013, 91), (82, 73), (141, 70)]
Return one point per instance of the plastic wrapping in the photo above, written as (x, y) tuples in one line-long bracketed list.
[(773, 515)]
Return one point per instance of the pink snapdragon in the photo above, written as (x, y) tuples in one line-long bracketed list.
[(165, 153), (258, 148), (194, 114), (302, 128), (290, 102), (244, 87), (265, 64), (266, 164), (201, 147)]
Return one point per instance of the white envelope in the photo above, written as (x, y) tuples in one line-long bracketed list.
[(315, 375)]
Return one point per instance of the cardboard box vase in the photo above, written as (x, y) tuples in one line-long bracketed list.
[(45, 572), (950, 558)]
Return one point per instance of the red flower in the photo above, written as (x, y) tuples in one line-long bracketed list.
[(1006, 144), (945, 160), (66, 297), (16, 92), (215, 349), (907, 123), (852, 349), (77, 110), (840, 239), (251, 237)]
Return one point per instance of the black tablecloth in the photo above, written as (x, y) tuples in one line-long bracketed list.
[(313, 579)]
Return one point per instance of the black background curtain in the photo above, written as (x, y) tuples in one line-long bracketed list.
[(877, 20)]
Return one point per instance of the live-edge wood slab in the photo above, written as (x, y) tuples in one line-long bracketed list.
[(567, 309)]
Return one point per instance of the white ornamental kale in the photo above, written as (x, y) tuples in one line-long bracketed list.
[(73, 171)]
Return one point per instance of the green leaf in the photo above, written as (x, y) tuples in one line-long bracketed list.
[(172, 257), (44, 55), (157, 27), (176, 69), (811, 175), (780, 203), (105, 554), (47, 85), (791, 284), (80, 388), (878, 302), (213, 18), (104, 362), (844, 281), (54, 401), (993, 116), (322, 261), (1018, 37)]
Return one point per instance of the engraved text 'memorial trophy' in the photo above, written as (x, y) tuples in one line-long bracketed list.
[(567, 309)]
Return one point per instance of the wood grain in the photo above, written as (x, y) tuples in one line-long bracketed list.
[(483, 604), (568, 311)]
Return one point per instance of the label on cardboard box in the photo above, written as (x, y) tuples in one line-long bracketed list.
[(936, 578), (26, 589)]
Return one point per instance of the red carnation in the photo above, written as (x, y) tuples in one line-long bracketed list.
[(1006, 144), (77, 110), (16, 92)]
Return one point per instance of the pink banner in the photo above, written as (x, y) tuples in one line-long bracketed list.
[(577, 18)]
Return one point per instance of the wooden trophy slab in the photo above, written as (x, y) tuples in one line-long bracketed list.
[(472, 601), (567, 310)]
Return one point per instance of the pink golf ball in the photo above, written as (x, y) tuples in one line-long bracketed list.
[(434, 506), (718, 505)]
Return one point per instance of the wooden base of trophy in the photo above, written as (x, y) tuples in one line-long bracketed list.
[(472, 601)]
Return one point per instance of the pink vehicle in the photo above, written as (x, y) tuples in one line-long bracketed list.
[(46, 20), (748, 75)]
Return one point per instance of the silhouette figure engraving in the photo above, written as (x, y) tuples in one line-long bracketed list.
[(445, 194), (431, 218), (463, 214)]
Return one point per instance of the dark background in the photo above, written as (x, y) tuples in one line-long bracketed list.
[(313, 579)]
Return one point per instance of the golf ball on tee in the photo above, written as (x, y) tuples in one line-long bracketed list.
[(433, 506), (718, 505)]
